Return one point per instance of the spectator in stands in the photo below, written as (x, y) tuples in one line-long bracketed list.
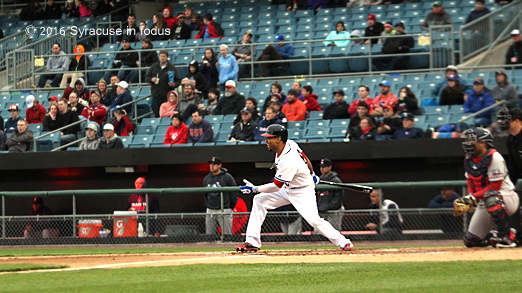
[(361, 112), (364, 96), (3, 138), (105, 95), (148, 58), (123, 126), (70, 10), (66, 92), (209, 69), (388, 31), (195, 22), (251, 103), (181, 30), (189, 101), (67, 117), (95, 112), (178, 132), (159, 30), (161, 84), (141, 33), (32, 11), (2, 125), (21, 139), (372, 2), (479, 11), (275, 88), (245, 130), (227, 67), (409, 131), (450, 70), (74, 105), (338, 37), (110, 140), (127, 58), (211, 29), (102, 7), (81, 90), (219, 213), (293, 5), (514, 52), (243, 52), (390, 123), (294, 110), (374, 29), (397, 45), (365, 131), (171, 106), (337, 109), (269, 119), (356, 38), (408, 102), (316, 5), (35, 112), (123, 97), (52, 10), (299, 88), (117, 5), (436, 17), (391, 219), (189, 12), (55, 66), (504, 90), (196, 76), (200, 130), (310, 99), (38, 228), (1, 34), (91, 140), (53, 100), (330, 203), (453, 93), (386, 98), (50, 121), (478, 99), (280, 52), (129, 31), (83, 8), (276, 105), (168, 18), (213, 99), (12, 122), (232, 102), (78, 64)]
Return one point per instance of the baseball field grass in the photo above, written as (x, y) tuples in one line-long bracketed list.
[(454, 276), (27, 267)]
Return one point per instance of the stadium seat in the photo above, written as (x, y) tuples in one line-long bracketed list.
[(145, 130), (315, 115), (162, 130), (320, 66), (143, 139), (437, 110), (436, 119), (339, 65), (296, 125), (295, 134), (315, 133), (340, 123), (150, 122), (317, 124), (337, 132), (358, 64), (299, 67)]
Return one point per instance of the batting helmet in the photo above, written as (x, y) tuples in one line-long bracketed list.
[(276, 130), (508, 114), (470, 136)]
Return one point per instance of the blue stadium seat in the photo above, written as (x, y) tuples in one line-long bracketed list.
[(295, 134), (299, 67), (337, 132), (436, 110), (150, 122), (296, 125), (358, 64), (222, 136), (340, 123), (225, 127), (317, 124), (158, 138), (456, 109), (315, 115), (162, 129), (312, 133), (328, 82), (145, 130), (435, 119), (339, 65), (143, 139), (215, 118), (229, 118)]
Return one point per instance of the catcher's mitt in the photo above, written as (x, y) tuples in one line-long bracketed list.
[(462, 205)]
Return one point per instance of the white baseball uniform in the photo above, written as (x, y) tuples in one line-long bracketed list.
[(298, 189)]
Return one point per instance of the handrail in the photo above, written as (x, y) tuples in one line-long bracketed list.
[(91, 192), (57, 130), (482, 111)]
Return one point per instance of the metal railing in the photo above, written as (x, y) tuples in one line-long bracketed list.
[(35, 147), (486, 32), (473, 115), (420, 223)]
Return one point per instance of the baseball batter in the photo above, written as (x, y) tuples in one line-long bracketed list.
[(490, 187), (293, 184)]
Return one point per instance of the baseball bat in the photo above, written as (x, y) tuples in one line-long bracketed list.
[(353, 187)]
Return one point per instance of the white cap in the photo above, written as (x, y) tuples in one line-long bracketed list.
[(30, 100), (452, 67), (108, 126), (230, 83), (515, 32), (223, 45), (123, 84)]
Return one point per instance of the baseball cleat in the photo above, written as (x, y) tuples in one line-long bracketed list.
[(347, 247), (246, 247), (506, 243)]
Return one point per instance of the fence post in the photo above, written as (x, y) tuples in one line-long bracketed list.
[(74, 215), (381, 215), (3, 217), (222, 218), (146, 214)]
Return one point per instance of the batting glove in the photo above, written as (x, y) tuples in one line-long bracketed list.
[(248, 189), (316, 179)]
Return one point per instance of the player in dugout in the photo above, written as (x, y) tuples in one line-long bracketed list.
[(294, 183)]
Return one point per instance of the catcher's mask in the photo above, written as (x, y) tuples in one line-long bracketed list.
[(471, 136), (505, 115)]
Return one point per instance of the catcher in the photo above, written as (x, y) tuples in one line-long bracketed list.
[(490, 192)]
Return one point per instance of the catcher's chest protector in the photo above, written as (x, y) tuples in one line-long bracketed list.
[(478, 172)]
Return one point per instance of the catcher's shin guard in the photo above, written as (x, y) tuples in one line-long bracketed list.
[(496, 208), (472, 240)]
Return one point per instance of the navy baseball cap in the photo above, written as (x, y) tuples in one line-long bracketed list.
[(339, 92), (279, 38), (215, 160), (119, 107), (385, 83), (325, 162), (408, 116)]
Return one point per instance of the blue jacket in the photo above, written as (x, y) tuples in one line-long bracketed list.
[(200, 133), (439, 202), (122, 99), (475, 14), (262, 126), (11, 123), (285, 50), (408, 133), (228, 69), (211, 74), (477, 102), (437, 90)]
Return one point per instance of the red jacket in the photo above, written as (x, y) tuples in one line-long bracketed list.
[(96, 113), (311, 103), (176, 135), (214, 29), (353, 107), (128, 127), (33, 116)]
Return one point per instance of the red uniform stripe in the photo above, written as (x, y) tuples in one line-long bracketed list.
[(495, 208), (278, 183)]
